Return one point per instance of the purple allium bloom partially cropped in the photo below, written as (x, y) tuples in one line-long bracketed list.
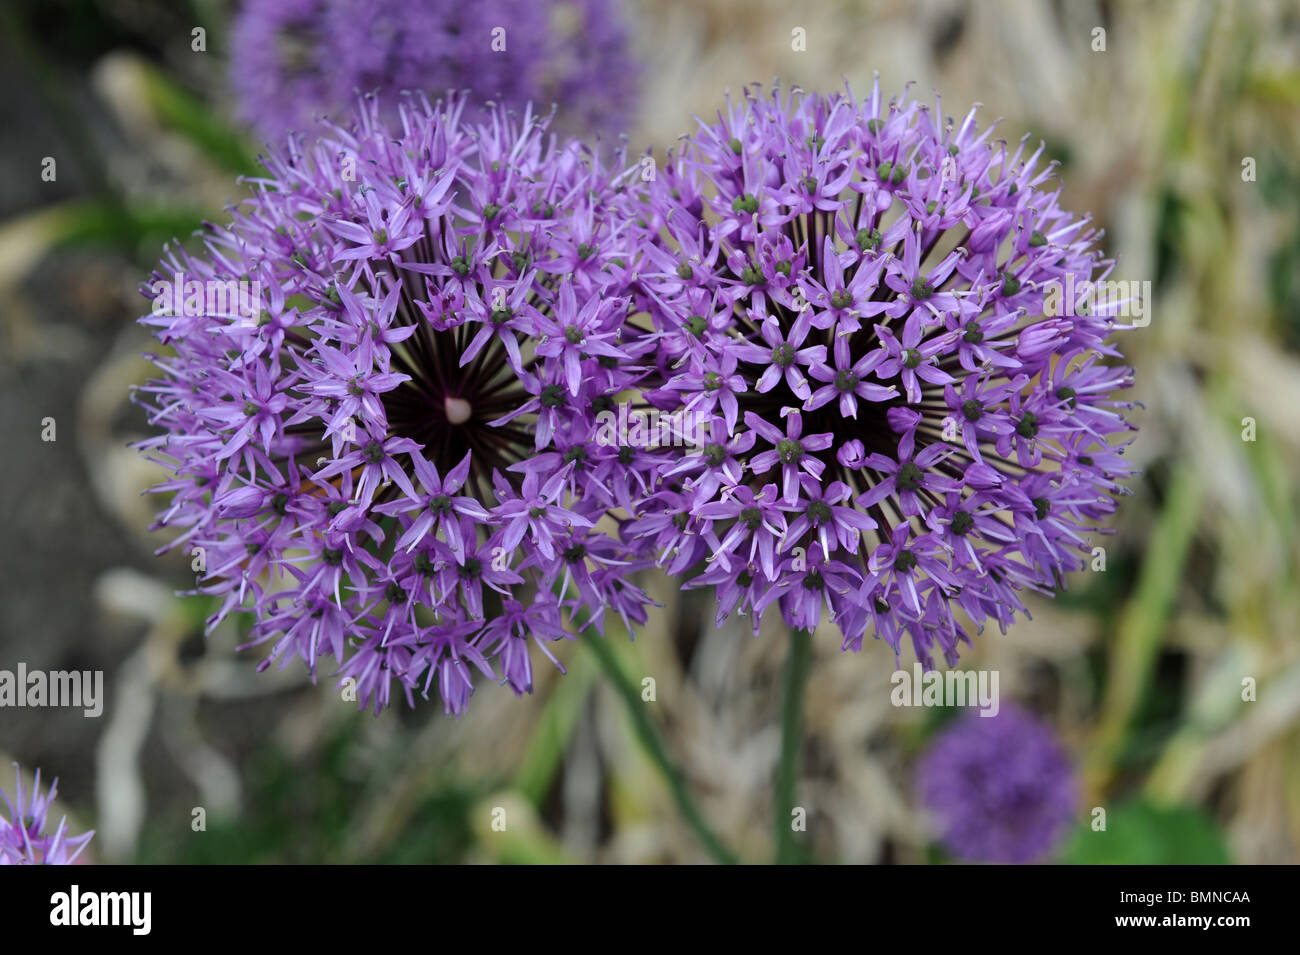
[(1000, 788), (389, 459), (23, 824), (294, 60), (853, 293)]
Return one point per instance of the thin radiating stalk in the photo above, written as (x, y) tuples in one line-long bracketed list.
[(653, 745), (797, 665)]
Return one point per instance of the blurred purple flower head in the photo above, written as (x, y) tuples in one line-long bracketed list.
[(853, 292), (23, 839), (1000, 788), (295, 60), (386, 453)]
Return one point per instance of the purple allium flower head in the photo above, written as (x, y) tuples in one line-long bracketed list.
[(294, 60), (391, 442), (23, 839), (853, 294), (1000, 788)]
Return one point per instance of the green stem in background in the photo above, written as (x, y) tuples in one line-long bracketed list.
[(1141, 627), (797, 664), (554, 729), (654, 747)]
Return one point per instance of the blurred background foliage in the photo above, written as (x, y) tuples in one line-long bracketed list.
[(1139, 669)]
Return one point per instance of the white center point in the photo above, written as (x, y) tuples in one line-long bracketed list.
[(458, 410)]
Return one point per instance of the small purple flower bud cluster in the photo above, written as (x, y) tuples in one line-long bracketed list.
[(902, 440), (293, 60), (23, 839), (1000, 788), (390, 458)]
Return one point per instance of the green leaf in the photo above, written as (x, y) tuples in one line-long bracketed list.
[(186, 114), (137, 230), (1141, 833), (555, 729)]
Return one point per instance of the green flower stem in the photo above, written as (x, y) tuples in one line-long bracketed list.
[(654, 747), (797, 664), (1141, 627)]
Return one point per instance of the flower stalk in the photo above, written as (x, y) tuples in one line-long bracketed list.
[(794, 687)]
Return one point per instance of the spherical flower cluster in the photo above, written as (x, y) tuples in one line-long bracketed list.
[(293, 60), (386, 452), (1000, 788), (23, 839), (852, 294)]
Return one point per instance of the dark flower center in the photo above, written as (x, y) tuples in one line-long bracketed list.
[(447, 407)]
